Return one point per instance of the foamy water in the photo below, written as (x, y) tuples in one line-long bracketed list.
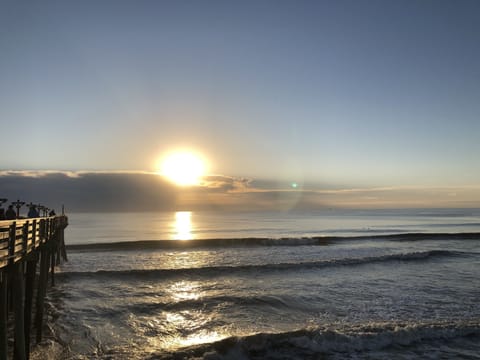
[(294, 298)]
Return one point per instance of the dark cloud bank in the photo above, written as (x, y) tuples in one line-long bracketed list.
[(124, 191), (91, 191), (117, 191)]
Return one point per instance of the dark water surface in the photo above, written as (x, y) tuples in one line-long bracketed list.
[(300, 297)]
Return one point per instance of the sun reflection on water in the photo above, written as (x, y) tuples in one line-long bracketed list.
[(174, 329), (189, 328), (183, 225), (184, 290), (201, 337)]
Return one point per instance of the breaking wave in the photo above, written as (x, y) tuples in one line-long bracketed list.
[(254, 241), (351, 341), (208, 271)]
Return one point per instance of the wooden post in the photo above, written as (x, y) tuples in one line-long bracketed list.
[(34, 233), (29, 285), (42, 288), (3, 316), (19, 296), (41, 232), (62, 245), (11, 242), (11, 255), (25, 238), (52, 261), (57, 245)]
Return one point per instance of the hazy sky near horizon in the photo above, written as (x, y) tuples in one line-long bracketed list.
[(340, 93)]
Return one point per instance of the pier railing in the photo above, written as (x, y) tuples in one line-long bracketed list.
[(23, 244), (19, 238)]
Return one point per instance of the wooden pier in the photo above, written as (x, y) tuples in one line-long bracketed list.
[(24, 243)]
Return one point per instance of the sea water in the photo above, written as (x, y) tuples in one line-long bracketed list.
[(335, 284)]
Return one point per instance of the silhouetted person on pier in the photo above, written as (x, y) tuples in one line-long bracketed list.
[(51, 213), (10, 214), (33, 213)]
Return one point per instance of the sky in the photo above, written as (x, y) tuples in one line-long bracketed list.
[(376, 99)]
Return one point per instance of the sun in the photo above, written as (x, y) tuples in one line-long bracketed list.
[(183, 167)]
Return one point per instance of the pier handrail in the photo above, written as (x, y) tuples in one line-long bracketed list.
[(20, 237)]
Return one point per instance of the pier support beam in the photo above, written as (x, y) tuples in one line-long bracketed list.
[(52, 263), (29, 286), (42, 288), (3, 316), (19, 352), (62, 245)]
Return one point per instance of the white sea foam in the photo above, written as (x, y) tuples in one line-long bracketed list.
[(361, 340)]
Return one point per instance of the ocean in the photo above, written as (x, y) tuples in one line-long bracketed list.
[(386, 284)]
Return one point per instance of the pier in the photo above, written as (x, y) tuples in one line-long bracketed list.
[(30, 249)]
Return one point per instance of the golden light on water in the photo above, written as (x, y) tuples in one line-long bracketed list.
[(183, 167), (189, 327), (185, 290), (186, 329), (183, 225), (203, 337)]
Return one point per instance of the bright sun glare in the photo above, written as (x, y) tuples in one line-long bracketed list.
[(183, 168)]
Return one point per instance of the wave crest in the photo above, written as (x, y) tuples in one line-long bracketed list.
[(242, 269), (254, 241), (330, 341)]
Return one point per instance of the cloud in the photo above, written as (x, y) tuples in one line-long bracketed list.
[(226, 183), (117, 191), (398, 197), (90, 191), (144, 191)]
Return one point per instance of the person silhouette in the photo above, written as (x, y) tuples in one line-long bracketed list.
[(33, 213), (10, 214)]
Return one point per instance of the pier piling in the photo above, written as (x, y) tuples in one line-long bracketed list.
[(19, 296), (3, 316), (29, 286)]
